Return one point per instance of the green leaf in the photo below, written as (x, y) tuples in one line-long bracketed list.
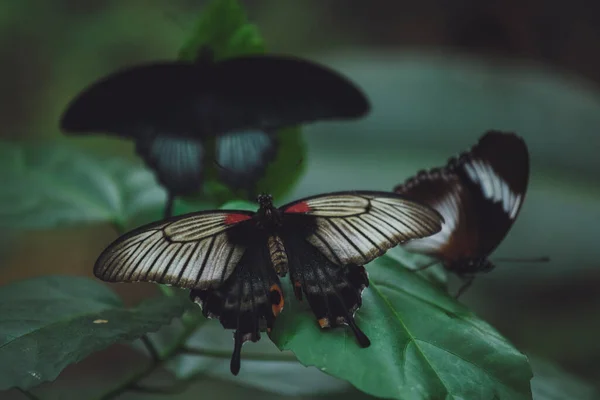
[(224, 27), (239, 205), (48, 323), (50, 184), (424, 345)]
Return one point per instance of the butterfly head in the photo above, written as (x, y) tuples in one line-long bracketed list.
[(470, 265), (269, 216), (265, 201)]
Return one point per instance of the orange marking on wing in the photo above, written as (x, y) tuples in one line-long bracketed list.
[(324, 323), (276, 308), (236, 218), (301, 207)]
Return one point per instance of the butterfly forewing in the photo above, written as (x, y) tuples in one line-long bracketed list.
[(206, 99), (479, 194), (496, 173), (193, 251), (357, 227)]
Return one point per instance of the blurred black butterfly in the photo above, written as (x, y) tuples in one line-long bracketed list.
[(479, 194), (232, 260), (171, 108)]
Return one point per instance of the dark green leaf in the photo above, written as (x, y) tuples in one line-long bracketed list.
[(51, 184), (224, 28), (48, 323), (424, 345)]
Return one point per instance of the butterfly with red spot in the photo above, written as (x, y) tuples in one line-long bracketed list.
[(479, 194), (232, 260)]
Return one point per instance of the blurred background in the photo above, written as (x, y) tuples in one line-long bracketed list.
[(439, 73)]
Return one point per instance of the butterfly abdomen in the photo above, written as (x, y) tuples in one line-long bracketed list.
[(278, 255)]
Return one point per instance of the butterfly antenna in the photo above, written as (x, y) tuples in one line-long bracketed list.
[(526, 260)]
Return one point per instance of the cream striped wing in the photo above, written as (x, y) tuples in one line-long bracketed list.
[(357, 227), (191, 251)]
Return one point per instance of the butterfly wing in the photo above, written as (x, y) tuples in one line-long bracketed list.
[(244, 156), (496, 173), (272, 91), (205, 98), (479, 194), (357, 227), (443, 191), (193, 251), (330, 237), (176, 161), (249, 301), (143, 100)]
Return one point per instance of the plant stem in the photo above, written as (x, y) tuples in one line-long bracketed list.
[(132, 383), (151, 348), (284, 357)]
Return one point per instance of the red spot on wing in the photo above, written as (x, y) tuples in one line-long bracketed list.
[(301, 207), (231, 219)]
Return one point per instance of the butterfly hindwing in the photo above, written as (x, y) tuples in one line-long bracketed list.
[(248, 301), (193, 251), (244, 156), (331, 237), (443, 191), (333, 292), (177, 162)]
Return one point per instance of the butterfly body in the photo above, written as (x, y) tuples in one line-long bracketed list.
[(232, 260), (480, 194)]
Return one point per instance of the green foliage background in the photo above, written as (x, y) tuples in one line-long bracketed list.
[(427, 105)]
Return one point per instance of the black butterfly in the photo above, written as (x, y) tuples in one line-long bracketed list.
[(232, 260), (479, 194), (171, 108)]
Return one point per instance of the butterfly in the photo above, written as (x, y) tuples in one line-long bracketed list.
[(171, 108), (479, 194), (232, 260)]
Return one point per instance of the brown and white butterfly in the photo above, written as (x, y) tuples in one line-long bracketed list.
[(232, 260), (479, 194)]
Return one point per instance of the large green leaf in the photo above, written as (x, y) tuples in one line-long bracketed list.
[(424, 345), (224, 27), (48, 323), (49, 184)]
